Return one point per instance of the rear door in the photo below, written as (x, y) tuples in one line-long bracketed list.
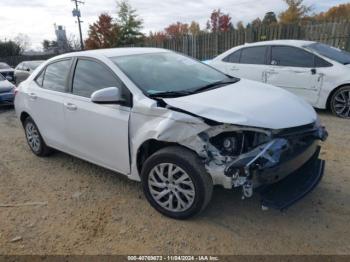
[(97, 132), (46, 96), (248, 62), (294, 69)]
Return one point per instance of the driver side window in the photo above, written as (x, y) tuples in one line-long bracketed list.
[(91, 76)]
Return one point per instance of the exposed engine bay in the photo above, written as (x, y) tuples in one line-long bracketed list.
[(246, 156)]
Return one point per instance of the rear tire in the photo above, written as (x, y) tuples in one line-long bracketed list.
[(34, 139), (340, 102), (176, 183)]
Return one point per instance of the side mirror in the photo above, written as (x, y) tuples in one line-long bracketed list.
[(109, 95)]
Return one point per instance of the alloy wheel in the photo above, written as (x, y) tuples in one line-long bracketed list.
[(171, 187), (341, 104), (33, 137)]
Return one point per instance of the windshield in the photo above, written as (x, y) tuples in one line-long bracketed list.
[(34, 64), (158, 73), (330, 52), (4, 66)]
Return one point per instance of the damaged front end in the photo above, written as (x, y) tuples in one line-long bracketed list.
[(256, 159)]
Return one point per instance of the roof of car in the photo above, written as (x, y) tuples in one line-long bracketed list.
[(298, 43), (112, 52)]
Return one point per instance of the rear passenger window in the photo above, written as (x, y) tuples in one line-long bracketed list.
[(91, 76), (291, 56), (56, 75), (319, 62), (233, 58), (253, 55)]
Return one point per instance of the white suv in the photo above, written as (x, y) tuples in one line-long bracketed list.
[(175, 124), (317, 72)]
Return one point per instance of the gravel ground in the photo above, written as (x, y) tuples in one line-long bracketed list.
[(91, 210)]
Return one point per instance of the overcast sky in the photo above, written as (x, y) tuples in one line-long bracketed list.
[(36, 18)]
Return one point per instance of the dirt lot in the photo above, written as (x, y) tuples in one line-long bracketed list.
[(91, 210)]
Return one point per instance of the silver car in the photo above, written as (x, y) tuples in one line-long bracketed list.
[(24, 70)]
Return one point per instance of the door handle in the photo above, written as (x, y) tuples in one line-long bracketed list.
[(32, 96), (70, 106), (234, 68)]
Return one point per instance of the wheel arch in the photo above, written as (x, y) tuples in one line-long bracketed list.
[(23, 116), (328, 103), (151, 146)]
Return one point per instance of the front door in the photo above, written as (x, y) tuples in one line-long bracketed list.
[(97, 132)]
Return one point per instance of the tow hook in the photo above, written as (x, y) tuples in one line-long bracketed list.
[(247, 190)]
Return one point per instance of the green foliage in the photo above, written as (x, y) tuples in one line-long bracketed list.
[(129, 24), (269, 19), (9, 48), (295, 12)]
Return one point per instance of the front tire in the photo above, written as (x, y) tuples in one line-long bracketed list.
[(340, 102), (176, 183), (34, 139)]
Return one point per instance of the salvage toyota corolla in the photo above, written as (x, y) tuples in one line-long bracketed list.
[(175, 124)]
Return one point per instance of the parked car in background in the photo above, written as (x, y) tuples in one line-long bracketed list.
[(24, 69), (7, 91), (175, 124), (317, 72), (7, 71)]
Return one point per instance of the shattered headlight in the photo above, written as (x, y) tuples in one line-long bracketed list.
[(236, 143)]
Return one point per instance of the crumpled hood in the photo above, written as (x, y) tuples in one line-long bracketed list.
[(248, 103)]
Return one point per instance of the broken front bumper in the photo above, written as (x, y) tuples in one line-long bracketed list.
[(294, 187), (287, 168)]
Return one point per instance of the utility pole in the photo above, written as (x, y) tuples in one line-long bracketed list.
[(76, 12)]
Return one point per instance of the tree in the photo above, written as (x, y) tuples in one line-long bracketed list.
[(176, 30), (240, 25), (219, 22), (103, 33), (295, 12), (269, 19), (23, 41), (129, 24), (9, 48), (335, 13), (157, 36), (73, 42), (50, 46), (256, 22), (194, 28)]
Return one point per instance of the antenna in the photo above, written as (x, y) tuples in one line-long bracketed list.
[(76, 12)]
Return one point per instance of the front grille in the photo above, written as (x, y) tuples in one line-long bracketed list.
[(309, 128)]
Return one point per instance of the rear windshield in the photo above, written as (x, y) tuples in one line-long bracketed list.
[(330, 52)]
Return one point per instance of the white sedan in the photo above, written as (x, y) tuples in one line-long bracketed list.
[(175, 124), (317, 72)]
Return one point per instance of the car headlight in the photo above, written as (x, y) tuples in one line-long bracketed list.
[(230, 144), (236, 143)]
